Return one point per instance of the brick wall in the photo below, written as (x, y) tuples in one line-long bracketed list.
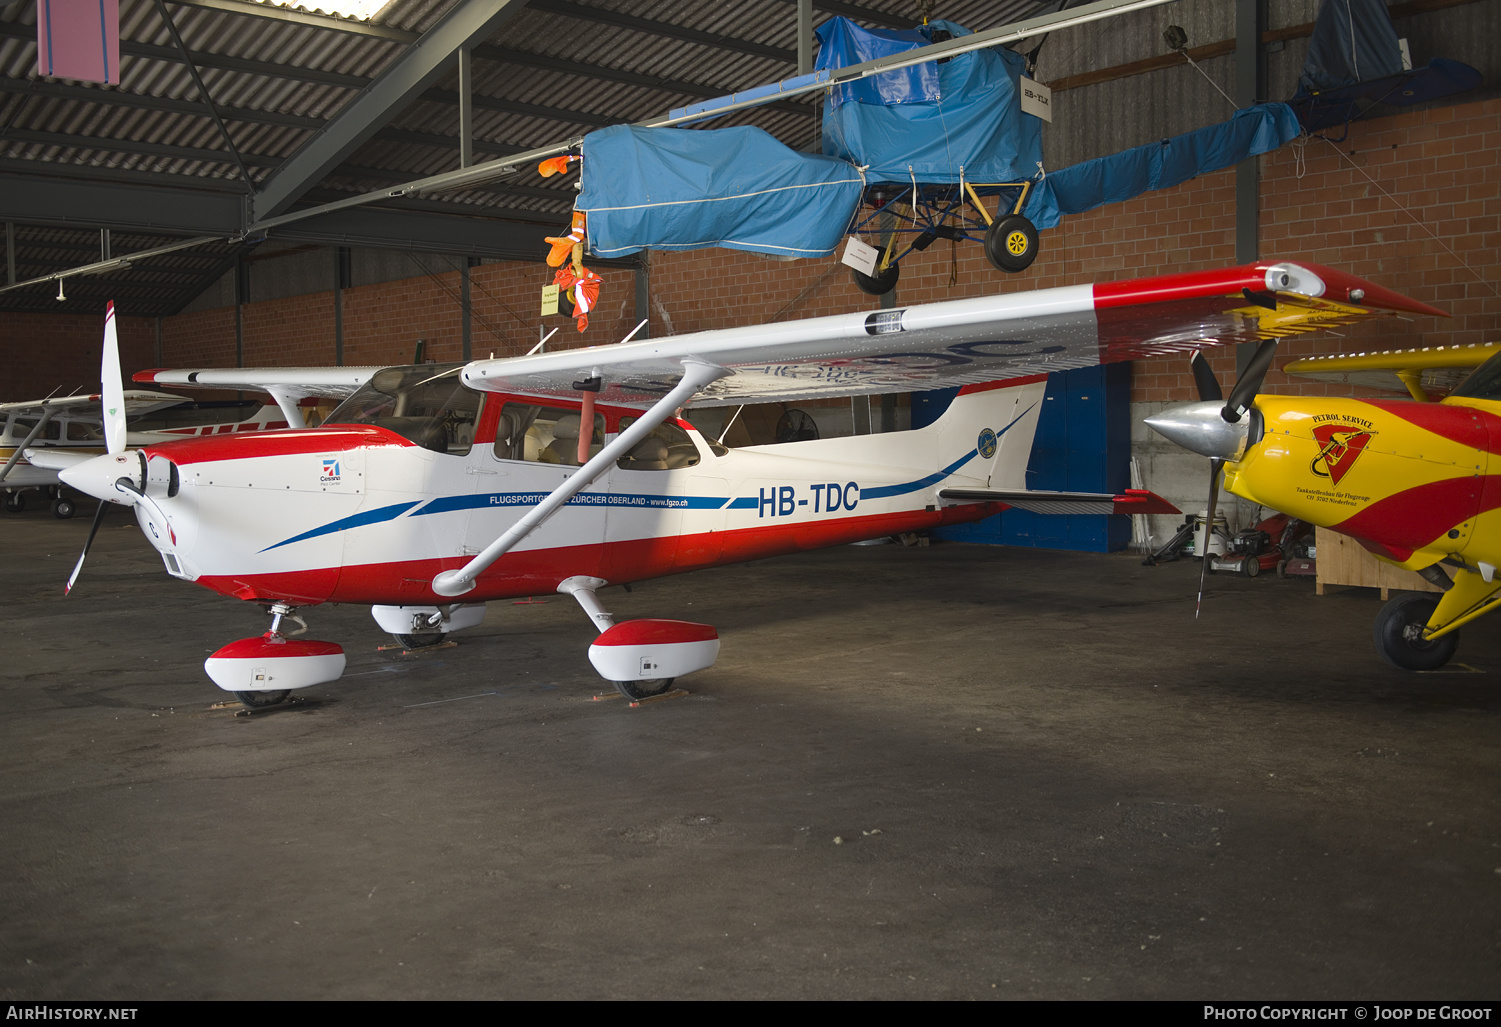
[(59, 353), (1317, 204)]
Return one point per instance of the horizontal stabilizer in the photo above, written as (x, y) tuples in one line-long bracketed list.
[(1132, 501), (1435, 369)]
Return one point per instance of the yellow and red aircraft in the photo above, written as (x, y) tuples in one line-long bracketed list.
[(1413, 480)]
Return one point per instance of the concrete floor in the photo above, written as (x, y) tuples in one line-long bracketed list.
[(944, 772)]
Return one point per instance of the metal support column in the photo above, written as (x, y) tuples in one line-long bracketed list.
[(342, 264), (643, 297), (466, 113), (467, 305), (242, 296), (1250, 85), (805, 61)]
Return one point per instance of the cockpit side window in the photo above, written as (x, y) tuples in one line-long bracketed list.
[(52, 431), (667, 447), (546, 435), (426, 403), (1484, 382)]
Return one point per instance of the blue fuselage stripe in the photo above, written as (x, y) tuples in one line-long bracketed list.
[(359, 520)]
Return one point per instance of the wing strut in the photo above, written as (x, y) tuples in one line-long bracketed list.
[(696, 374), (287, 402), (30, 438)]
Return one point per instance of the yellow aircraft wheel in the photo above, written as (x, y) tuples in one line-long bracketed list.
[(1011, 244)]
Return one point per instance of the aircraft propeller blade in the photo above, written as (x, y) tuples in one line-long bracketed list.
[(1209, 385), (112, 394), (98, 516), (1215, 463), (1249, 383)]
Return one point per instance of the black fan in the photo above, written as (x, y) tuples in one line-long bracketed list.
[(796, 426)]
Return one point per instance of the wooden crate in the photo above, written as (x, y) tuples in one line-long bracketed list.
[(1343, 561)]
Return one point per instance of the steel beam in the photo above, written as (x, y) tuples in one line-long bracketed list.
[(419, 67), (117, 97), (429, 233), (31, 198), (26, 198)]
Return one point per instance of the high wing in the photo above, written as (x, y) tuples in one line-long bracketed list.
[(957, 342), (286, 385), (294, 382), (1426, 373), (137, 402)]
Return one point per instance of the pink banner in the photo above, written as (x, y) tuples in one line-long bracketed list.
[(78, 39)]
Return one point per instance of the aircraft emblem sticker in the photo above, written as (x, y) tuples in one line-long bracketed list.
[(330, 475), (985, 445), (1341, 441)]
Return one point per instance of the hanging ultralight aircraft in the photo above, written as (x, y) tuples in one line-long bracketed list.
[(1411, 480), (433, 488)]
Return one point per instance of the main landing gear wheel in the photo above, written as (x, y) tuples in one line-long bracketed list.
[(260, 700), (420, 641), (1399, 634), (643, 689), (879, 284), (62, 508), (1011, 243), (15, 502)]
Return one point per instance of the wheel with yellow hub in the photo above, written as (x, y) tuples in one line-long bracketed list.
[(1011, 243)]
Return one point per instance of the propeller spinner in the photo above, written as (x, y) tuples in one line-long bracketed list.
[(1215, 427)]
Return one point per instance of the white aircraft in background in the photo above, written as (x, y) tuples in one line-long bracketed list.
[(76, 423), (433, 488)]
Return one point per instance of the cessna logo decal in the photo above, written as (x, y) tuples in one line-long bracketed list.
[(986, 443), (1341, 441), (330, 475)]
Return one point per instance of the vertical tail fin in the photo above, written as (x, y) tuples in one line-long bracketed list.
[(995, 422)]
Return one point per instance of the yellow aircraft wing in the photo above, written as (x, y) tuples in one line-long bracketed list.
[(1426, 373)]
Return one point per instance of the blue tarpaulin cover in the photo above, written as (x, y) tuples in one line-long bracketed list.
[(928, 120), (1129, 173), (680, 189), (1353, 41), (1355, 61)]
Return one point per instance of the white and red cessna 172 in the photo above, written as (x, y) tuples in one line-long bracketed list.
[(434, 488)]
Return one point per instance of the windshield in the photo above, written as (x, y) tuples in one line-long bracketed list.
[(1484, 382), (425, 403)]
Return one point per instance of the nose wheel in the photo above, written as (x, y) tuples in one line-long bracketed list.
[(260, 700), (643, 689)]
